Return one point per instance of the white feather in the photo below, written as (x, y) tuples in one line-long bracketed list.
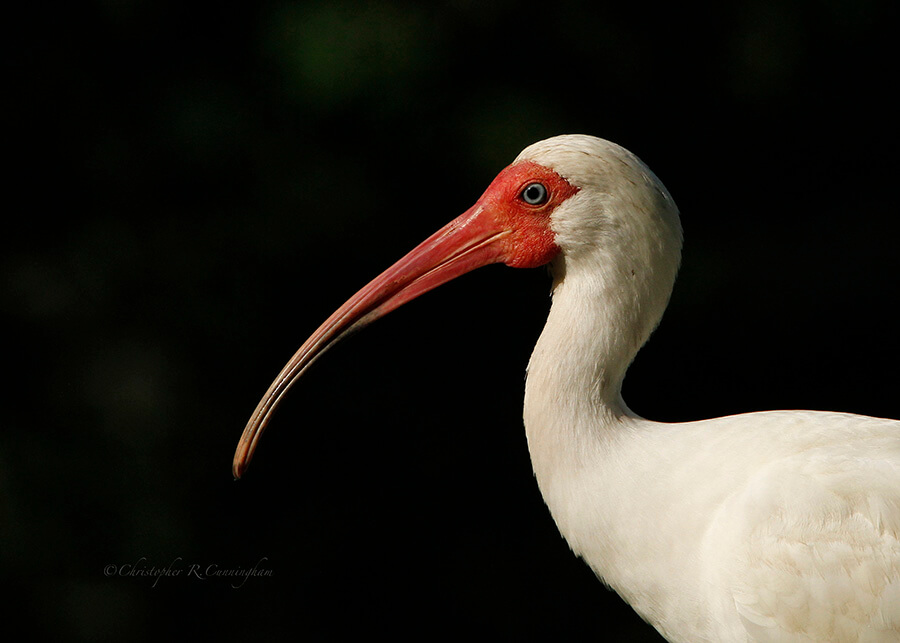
[(773, 526)]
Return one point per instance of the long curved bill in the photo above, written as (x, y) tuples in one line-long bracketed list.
[(472, 240)]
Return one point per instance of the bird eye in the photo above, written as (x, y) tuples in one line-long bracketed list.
[(534, 194)]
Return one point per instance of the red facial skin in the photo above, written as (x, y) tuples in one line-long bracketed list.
[(500, 227), (531, 241)]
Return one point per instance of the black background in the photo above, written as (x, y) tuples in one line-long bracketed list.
[(191, 188)]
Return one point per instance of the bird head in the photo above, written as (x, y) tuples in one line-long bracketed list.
[(578, 202)]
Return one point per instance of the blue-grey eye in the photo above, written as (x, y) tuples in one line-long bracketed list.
[(534, 194)]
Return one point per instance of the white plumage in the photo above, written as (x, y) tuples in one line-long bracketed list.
[(772, 526)]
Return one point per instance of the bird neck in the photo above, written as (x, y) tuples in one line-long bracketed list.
[(574, 412), (575, 374)]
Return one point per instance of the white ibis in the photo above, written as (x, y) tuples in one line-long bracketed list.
[(770, 526)]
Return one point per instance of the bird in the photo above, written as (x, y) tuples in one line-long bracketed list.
[(776, 525)]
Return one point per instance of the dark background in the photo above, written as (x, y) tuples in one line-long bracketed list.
[(191, 188)]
